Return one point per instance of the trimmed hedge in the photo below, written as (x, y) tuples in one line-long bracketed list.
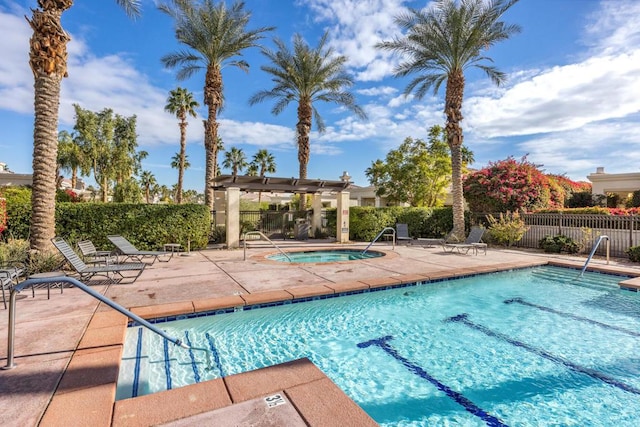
[(366, 222), (147, 227)]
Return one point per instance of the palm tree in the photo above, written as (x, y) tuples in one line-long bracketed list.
[(181, 103), (441, 43), (181, 163), (235, 160), (70, 157), (215, 35), (264, 162), (148, 182), (48, 61), (307, 75)]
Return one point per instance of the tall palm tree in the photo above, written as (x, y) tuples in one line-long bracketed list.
[(147, 182), (215, 35), (181, 103), (235, 160), (48, 61), (307, 75), (441, 43), (263, 162)]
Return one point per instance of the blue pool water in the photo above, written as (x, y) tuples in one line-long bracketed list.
[(520, 348), (326, 255)]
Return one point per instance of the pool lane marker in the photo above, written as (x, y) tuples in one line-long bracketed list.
[(464, 319), (167, 364), (136, 370), (194, 366), (570, 316), (216, 356), (471, 407)]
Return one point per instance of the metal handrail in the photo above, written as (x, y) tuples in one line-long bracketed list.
[(393, 232), (593, 251), (70, 280), (259, 233)]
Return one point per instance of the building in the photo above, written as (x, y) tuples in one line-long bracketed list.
[(621, 184), (8, 178)]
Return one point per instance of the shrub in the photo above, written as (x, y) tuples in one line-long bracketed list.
[(509, 185), (507, 229), (634, 253), (3, 215), (558, 244)]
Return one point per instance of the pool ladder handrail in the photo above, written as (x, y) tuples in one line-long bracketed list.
[(393, 232), (593, 251), (261, 234), (70, 280)]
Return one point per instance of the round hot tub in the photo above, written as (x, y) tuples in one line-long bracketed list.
[(325, 255)]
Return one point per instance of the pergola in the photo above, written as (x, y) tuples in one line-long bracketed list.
[(233, 184), (280, 185)]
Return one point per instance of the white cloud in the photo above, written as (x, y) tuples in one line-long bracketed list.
[(16, 78), (378, 91), (355, 27), (614, 27)]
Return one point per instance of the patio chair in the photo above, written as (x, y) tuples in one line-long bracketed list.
[(472, 242), (91, 255), (86, 273), (124, 247), (402, 233)]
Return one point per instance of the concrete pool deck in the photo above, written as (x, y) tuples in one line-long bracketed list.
[(68, 347)]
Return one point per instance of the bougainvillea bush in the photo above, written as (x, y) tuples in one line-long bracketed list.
[(511, 185), (3, 215)]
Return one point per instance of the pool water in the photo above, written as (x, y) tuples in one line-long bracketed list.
[(526, 347), (325, 256)]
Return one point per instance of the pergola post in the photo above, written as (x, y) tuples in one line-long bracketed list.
[(342, 226), (233, 217), (316, 219)]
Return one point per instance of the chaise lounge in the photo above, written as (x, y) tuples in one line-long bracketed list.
[(86, 273), (124, 247), (472, 242)]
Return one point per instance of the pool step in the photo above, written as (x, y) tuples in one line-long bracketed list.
[(594, 280)]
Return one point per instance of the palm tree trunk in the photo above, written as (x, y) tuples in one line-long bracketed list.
[(453, 111), (303, 128), (213, 100), (48, 61), (45, 153), (183, 149)]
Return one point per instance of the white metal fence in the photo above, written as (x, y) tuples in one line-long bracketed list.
[(623, 231)]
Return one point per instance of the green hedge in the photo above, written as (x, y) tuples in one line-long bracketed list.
[(148, 227), (366, 222)]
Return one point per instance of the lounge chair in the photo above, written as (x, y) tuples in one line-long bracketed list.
[(85, 272), (402, 233), (91, 255), (472, 242), (124, 247), (432, 241)]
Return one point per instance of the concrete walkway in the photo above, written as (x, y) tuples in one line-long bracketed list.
[(71, 332)]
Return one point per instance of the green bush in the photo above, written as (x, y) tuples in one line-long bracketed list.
[(634, 253), (148, 227), (507, 229), (558, 244)]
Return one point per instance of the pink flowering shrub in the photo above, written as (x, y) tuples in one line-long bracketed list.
[(3, 215), (510, 185)]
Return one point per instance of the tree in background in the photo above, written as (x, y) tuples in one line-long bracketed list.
[(417, 172), (215, 35), (507, 185), (70, 157), (179, 161), (235, 160), (48, 62), (307, 75), (441, 43), (127, 191), (181, 103), (149, 185), (108, 144), (262, 163)]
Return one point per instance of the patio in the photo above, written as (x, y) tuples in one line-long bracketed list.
[(68, 347)]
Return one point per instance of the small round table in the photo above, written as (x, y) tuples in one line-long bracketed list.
[(47, 275)]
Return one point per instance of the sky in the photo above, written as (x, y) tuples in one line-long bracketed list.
[(571, 101)]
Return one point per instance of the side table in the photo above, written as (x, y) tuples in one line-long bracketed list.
[(47, 275)]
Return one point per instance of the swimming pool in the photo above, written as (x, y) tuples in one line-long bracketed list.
[(325, 255), (527, 347)]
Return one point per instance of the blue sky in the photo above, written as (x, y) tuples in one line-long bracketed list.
[(571, 102)]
